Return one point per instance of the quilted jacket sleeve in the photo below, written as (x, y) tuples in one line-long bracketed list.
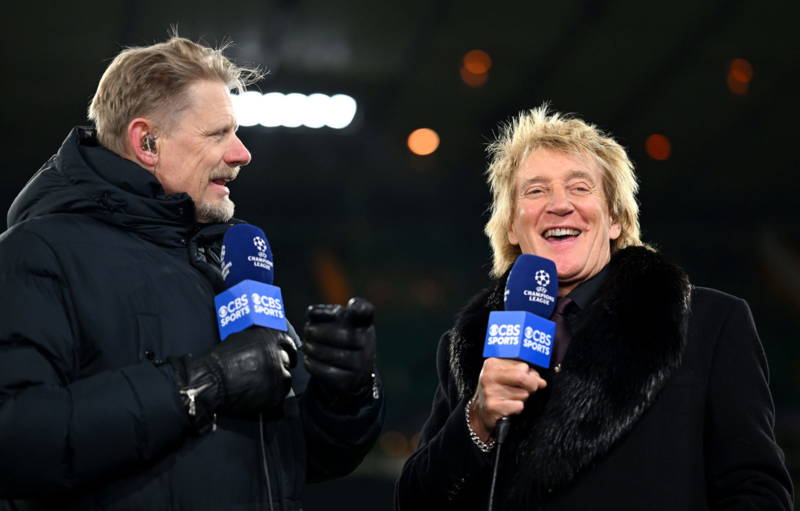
[(59, 430), (337, 441)]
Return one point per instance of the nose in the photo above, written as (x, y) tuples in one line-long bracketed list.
[(237, 154), (559, 202)]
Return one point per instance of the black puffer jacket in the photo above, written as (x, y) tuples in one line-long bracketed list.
[(102, 276)]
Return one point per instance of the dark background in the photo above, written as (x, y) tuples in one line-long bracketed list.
[(354, 212)]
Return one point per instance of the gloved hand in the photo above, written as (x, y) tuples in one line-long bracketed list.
[(339, 349), (244, 375)]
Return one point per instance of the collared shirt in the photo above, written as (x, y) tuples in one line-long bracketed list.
[(582, 297)]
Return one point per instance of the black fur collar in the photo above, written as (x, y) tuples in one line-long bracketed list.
[(633, 340)]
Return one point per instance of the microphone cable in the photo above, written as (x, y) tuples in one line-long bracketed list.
[(500, 432), (264, 458)]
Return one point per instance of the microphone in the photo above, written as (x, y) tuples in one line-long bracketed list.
[(521, 331), (249, 299)]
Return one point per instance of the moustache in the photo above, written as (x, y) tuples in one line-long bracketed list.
[(227, 174)]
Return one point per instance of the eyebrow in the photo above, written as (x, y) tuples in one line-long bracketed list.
[(232, 125), (573, 174)]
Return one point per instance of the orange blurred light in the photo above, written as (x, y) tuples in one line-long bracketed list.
[(331, 277), (658, 147), (423, 141), (740, 70), (477, 62), (472, 79), (414, 441), (394, 443), (737, 87)]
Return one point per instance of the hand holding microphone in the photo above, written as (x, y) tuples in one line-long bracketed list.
[(339, 350), (517, 339), (248, 372), (503, 387), (241, 377)]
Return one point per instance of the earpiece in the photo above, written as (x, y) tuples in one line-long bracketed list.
[(149, 143)]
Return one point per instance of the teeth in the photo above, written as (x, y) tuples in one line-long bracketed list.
[(561, 231)]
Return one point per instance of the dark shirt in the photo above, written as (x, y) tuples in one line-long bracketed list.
[(582, 296)]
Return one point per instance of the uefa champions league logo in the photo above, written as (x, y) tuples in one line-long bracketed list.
[(260, 260)]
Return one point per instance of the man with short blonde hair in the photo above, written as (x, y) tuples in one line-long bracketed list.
[(115, 390), (154, 80)]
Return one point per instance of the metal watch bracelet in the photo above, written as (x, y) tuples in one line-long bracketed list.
[(485, 447)]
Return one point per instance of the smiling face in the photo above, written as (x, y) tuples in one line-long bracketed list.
[(202, 153), (560, 213)]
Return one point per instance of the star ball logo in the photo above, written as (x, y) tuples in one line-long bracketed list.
[(540, 293), (542, 278), (260, 244), (260, 260)]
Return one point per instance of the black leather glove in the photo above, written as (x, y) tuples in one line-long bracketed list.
[(340, 349), (244, 375)]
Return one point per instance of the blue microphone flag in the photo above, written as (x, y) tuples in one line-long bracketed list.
[(250, 298), (521, 331)]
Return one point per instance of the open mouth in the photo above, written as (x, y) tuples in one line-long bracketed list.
[(220, 184), (561, 234)]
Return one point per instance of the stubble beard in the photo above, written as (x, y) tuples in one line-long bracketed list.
[(217, 212)]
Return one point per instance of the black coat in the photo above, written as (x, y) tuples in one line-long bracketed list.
[(102, 277), (662, 403)]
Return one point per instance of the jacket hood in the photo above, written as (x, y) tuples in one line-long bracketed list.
[(84, 177)]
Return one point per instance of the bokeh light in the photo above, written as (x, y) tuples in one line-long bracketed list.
[(740, 74), (658, 147), (423, 141), (475, 67), (394, 444), (472, 79), (477, 62), (293, 110)]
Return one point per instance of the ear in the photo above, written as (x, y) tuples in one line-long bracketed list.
[(614, 230), (139, 149), (512, 234)]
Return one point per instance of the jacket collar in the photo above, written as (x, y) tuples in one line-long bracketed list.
[(611, 374), (86, 178)]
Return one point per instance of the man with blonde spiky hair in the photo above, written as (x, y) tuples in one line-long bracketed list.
[(656, 397), (115, 390)]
